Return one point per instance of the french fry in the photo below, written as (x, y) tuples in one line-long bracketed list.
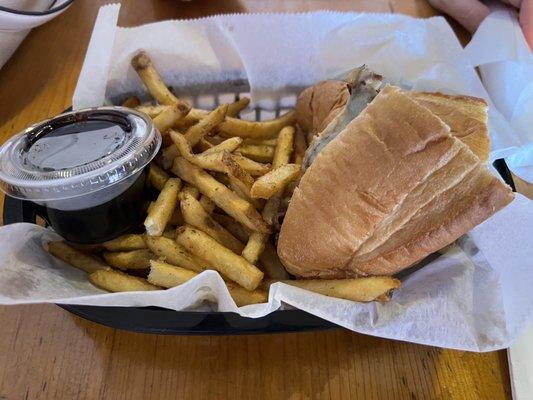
[(282, 154), (210, 162), (152, 111), (197, 114), (206, 125), (252, 167), (142, 64), (244, 297), (173, 253), (240, 181), (255, 130), (274, 181), (236, 229), (228, 145), (300, 146), (75, 257), (271, 263), (175, 219), (157, 176), (131, 102), (167, 156), (167, 276), (237, 106), (219, 257), (254, 247), (259, 153), (188, 190), (133, 259), (167, 118), (117, 281), (260, 142), (232, 204), (125, 243), (208, 204), (358, 289), (164, 206), (195, 216)]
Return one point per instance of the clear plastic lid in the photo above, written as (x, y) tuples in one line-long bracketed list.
[(77, 153)]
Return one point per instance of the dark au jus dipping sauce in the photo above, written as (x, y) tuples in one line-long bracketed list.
[(85, 171)]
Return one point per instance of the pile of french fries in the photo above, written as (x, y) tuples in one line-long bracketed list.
[(223, 183)]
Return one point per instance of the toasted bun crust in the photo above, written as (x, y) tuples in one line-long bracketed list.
[(466, 116), (318, 105), (393, 187)]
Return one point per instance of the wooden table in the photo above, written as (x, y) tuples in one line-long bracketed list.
[(47, 353)]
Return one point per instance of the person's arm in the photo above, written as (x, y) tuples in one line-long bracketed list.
[(470, 13)]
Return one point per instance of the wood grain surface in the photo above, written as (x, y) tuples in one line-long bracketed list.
[(46, 353)]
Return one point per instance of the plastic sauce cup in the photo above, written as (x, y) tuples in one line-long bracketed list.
[(85, 171)]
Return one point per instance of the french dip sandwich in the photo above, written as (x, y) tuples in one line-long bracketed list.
[(390, 177)]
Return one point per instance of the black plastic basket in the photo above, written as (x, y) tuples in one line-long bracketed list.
[(163, 321)]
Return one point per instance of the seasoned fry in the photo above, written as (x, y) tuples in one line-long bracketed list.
[(254, 247), (240, 181), (236, 229), (173, 253), (359, 289), (117, 281), (189, 190), (237, 106), (168, 155), (195, 216), (164, 206), (228, 145), (151, 79), (152, 111), (175, 219), (157, 176), (134, 259), (125, 243), (219, 257), (208, 204), (261, 142), (274, 181), (238, 208), (74, 257), (167, 275), (259, 153), (255, 130), (197, 114), (252, 167), (300, 146), (243, 297), (167, 118), (282, 154), (206, 125), (131, 102), (271, 263)]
